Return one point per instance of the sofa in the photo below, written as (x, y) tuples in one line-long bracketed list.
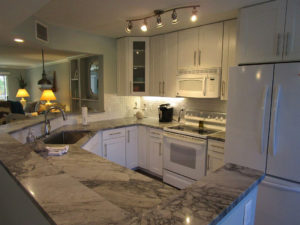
[(10, 108)]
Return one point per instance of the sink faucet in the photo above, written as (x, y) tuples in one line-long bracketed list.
[(47, 122), (179, 115)]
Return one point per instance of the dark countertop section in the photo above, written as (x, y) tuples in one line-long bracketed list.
[(82, 188), (219, 136)]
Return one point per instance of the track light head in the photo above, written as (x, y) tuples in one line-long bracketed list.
[(144, 27), (194, 15), (159, 22), (174, 17), (129, 27)]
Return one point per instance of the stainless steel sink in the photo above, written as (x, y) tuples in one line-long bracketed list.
[(65, 137)]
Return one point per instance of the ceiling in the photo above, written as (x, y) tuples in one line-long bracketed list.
[(100, 17)]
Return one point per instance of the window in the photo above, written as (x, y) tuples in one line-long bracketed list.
[(3, 87)]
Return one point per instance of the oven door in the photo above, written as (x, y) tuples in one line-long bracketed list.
[(185, 155), (188, 86)]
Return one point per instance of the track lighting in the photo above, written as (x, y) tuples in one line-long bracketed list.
[(194, 15), (159, 22), (174, 17), (144, 27), (157, 13), (129, 27)]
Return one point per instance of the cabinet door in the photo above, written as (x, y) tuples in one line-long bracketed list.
[(156, 65), (170, 64), (94, 145), (123, 81), (215, 160), (131, 147), (210, 45), (229, 53), (139, 66), (114, 150), (187, 48), (292, 29), (155, 155), (261, 32), (142, 147)]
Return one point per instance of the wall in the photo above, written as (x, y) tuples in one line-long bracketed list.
[(12, 81), (194, 104), (62, 81)]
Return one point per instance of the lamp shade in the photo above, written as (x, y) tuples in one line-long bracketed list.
[(48, 95), (22, 93)]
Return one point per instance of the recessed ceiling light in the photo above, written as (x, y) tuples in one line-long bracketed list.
[(19, 40)]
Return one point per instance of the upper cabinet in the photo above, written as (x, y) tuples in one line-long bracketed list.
[(133, 66), (200, 47), (269, 32), (229, 54), (163, 65)]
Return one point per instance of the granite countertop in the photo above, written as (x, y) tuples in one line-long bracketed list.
[(219, 136), (88, 189)]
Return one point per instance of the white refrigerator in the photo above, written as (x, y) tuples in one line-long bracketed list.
[(263, 132)]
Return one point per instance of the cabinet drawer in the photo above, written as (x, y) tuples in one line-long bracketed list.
[(115, 133), (216, 146), (155, 133)]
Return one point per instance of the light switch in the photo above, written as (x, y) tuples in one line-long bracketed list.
[(248, 213)]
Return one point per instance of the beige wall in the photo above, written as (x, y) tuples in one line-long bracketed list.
[(62, 81)]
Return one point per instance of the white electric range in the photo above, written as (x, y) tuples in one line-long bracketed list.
[(185, 147)]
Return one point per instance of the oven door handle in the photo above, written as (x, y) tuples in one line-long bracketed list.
[(185, 138)]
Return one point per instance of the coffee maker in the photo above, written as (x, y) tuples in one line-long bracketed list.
[(165, 113)]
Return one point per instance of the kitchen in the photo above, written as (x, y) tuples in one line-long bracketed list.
[(192, 65)]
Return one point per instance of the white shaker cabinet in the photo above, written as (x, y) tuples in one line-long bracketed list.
[(131, 147), (261, 32), (157, 51), (215, 155), (229, 54), (292, 31), (155, 151), (210, 45), (114, 150), (142, 147), (94, 145), (187, 48), (133, 66)]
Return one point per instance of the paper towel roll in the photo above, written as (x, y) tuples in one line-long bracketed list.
[(84, 113)]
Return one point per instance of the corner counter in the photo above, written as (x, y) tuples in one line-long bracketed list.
[(82, 188)]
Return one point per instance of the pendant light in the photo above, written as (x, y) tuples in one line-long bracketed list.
[(44, 82)]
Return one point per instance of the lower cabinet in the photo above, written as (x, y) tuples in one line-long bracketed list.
[(94, 145), (131, 148), (114, 150), (155, 151), (215, 155), (142, 147)]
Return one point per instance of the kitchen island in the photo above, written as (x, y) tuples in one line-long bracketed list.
[(82, 188)]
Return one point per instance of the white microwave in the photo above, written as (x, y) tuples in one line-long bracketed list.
[(198, 83)]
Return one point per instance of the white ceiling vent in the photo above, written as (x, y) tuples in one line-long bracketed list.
[(41, 31)]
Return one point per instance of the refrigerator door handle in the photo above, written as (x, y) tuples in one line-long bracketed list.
[(275, 119), (281, 186), (263, 115)]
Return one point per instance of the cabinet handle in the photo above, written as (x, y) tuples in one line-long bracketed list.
[(154, 133), (105, 150), (195, 58), (278, 43), (204, 89), (128, 136), (130, 87), (216, 146), (223, 88), (163, 92), (115, 133), (159, 149), (199, 57), (287, 43)]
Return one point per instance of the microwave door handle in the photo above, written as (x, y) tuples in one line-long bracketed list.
[(262, 121)]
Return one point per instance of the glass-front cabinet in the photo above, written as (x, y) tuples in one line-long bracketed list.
[(133, 66)]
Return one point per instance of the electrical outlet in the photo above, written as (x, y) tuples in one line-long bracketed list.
[(248, 213)]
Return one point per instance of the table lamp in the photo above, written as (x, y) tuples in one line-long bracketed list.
[(22, 93), (48, 96)]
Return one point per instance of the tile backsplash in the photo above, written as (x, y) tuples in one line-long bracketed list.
[(152, 103)]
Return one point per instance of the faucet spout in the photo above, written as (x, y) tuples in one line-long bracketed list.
[(47, 122), (179, 115)]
